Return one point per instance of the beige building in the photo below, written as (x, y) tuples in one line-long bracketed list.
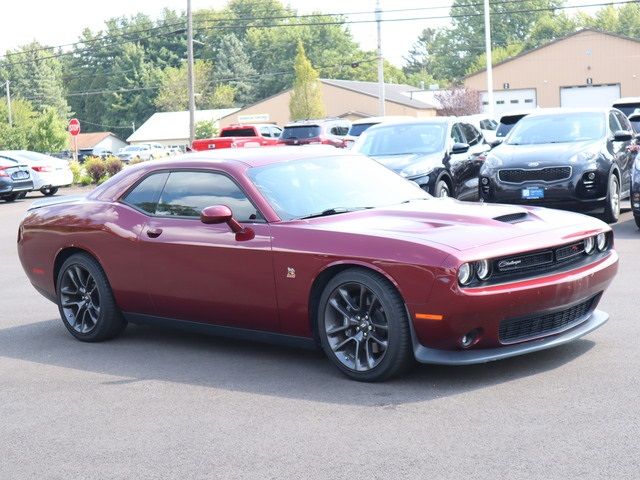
[(588, 68), (342, 98)]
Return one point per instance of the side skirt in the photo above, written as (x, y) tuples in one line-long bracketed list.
[(222, 331)]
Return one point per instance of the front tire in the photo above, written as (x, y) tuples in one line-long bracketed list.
[(85, 300), (363, 326), (637, 219), (612, 203), (441, 188), (10, 198)]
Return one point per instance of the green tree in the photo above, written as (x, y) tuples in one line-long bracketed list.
[(205, 129), (306, 97), (498, 54), (48, 132), (16, 137), (37, 77), (233, 68), (173, 94)]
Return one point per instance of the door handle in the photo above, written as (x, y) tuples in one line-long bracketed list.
[(154, 232)]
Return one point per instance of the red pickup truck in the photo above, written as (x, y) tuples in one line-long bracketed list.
[(238, 136)]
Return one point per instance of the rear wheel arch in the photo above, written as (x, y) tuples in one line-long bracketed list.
[(323, 278), (62, 257)]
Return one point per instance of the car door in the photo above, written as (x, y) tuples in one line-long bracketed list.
[(265, 133), (205, 273), (625, 157)]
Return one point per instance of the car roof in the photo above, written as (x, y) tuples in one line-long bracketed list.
[(314, 122), (564, 111), (257, 157), (626, 100), (386, 118)]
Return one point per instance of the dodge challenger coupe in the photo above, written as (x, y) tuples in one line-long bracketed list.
[(317, 246)]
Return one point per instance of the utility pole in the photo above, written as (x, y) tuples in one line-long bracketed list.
[(133, 127), (9, 102), (487, 47), (190, 75), (381, 93)]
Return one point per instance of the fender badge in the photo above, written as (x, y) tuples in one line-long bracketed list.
[(291, 272)]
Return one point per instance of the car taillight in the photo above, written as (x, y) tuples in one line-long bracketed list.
[(42, 169)]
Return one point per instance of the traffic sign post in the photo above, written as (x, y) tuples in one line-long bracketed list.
[(74, 130)]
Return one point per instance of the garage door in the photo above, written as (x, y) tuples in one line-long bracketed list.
[(507, 100), (589, 95)]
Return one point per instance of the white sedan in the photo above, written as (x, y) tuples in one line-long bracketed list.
[(48, 173)]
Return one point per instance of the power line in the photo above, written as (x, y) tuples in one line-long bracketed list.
[(336, 22)]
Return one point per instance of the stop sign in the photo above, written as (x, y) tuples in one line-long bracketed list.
[(74, 126)]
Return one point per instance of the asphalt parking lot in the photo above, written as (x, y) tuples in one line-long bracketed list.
[(165, 404)]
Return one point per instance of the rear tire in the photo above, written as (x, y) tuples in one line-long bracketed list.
[(612, 203), (85, 300), (363, 326), (47, 192), (10, 198)]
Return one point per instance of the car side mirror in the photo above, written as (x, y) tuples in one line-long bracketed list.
[(460, 148), (217, 214), (496, 142), (622, 136)]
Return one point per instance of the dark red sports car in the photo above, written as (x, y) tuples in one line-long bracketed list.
[(312, 246)]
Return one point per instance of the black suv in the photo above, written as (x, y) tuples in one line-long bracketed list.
[(565, 158), (316, 132)]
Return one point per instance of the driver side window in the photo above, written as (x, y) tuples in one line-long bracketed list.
[(456, 134)]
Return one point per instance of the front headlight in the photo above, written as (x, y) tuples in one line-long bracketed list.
[(601, 242), (483, 269), (465, 272), (492, 161), (417, 169)]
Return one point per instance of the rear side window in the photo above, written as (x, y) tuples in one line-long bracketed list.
[(239, 132), (186, 194), (614, 125), (146, 194), (302, 131), (471, 135)]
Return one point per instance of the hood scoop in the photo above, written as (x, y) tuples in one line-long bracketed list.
[(513, 217)]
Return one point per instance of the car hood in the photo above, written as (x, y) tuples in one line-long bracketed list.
[(460, 226), (544, 154), (398, 163)]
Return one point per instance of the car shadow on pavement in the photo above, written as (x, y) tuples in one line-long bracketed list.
[(152, 354)]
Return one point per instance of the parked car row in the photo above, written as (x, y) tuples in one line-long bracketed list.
[(22, 171), (144, 151)]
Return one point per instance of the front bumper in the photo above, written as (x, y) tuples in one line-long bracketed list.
[(572, 193), (469, 357)]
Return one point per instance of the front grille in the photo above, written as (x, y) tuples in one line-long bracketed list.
[(521, 175), (524, 262), (518, 329), (569, 251)]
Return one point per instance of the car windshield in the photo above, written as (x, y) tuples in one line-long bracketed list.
[(628, 108), (357, 129), (564, 128), (317, 186), (302, 131), (403, 139)]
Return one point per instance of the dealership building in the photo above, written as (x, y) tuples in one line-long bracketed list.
[(588, 68)]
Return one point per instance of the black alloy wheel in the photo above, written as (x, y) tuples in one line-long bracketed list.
[(363, 326), (85, 300), (612, 203)]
